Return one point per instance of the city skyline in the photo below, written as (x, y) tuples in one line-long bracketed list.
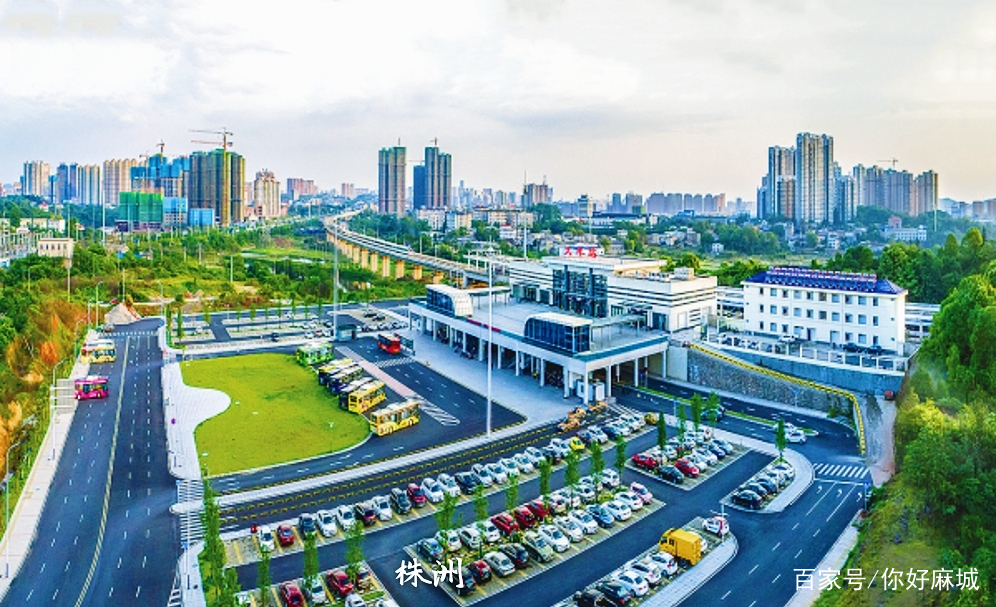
[(639, 96)]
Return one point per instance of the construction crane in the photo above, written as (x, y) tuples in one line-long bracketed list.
[(224, 133), (890, 160), (162, 146)]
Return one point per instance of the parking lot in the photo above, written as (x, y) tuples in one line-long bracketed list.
[(374, 594), (849, 354), (689, 482), (758, 491)]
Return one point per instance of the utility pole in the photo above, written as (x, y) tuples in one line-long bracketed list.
[(491, 320), (335, 282)]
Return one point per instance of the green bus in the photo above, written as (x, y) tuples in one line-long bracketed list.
[(315, 353)]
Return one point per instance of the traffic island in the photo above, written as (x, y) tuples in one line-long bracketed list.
[(500, 584), (374, 594), (763, 489), (691, 483)]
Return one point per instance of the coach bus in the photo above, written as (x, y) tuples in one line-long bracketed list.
[(367, 397), (353, 386), (343, 377), (394, 417), (328, 370), (93, 386), (99, 351), (313, 354), (389, 342)]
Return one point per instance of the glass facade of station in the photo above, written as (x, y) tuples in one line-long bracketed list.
[(585, 293), (571, 338)]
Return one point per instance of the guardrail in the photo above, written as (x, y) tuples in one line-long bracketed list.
[(855, 406)]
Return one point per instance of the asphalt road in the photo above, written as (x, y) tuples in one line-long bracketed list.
[(458, 414), (106, 534)]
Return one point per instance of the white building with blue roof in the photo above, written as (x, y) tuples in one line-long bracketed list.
[(838, 308)]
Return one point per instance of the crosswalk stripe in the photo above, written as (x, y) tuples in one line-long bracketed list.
[(840, 470)]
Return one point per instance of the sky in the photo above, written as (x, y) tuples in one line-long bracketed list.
[(597, 96)]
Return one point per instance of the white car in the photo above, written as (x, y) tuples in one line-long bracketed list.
[(570, 528), (572, 496), (560, 446), (449, 540), (432, 489), (633, 581), (326, 523), (315, 591), (795, 437), (535, 455), (355, 600), (309, 335), (265, 536), (554, 537), (610, 477), (482, 473), (708, 456), (716, 525), (470, 537), (558, 503), (491, 533), (586, 493), (650, 570), (382, 506), (666, 562), (698, 460), (634, 501), (596, 433), (584, 520), (618, 509), (497, 472), (448, 484), (345, 517), (510, 467), (523, 462), (499, 563)]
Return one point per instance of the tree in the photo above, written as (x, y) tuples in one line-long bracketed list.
[(661, 431), (252, 312), (512, 493), (480, 515), (620, 454), (572, 473), (780, 441), (682, 421), (263, 579), (310, 572), (230, 587), (597, 458), (712, 408), (206, 313), (690, 260), (214, 548), (354, 550), (179, 324), (696, 411), (444, 515), (545, 470)]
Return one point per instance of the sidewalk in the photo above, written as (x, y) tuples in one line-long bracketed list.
[(27, 511), (833, 560), (691, 580), (185, 408)]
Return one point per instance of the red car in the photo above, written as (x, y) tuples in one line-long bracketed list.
[(524, 517), (539, 509), (416, 495), (642, 460), (505, 523), (480, 571), (687, 468), (291, 595), (285, 535), (339, 582)]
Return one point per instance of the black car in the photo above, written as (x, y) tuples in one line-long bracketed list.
[(468, 582), (756, 487), (747, 499), (518, 554), (769, 485), (365, 512), (551, 454), (591, 598), (430, 550), (611, 431), (467, 481), (716, 450), (615, 592), (274, 337), (601, 515), (722, 444), (875, 350), (400, 501), (671, 474), (852, 347), (306, 523), (585, 436)]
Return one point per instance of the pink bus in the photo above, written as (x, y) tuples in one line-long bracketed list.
[(94, 386)]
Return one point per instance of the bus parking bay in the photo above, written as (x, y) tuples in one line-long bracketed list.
[(498, 584)]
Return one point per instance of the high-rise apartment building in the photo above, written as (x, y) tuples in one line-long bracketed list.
[(432, 181), (298, 187), (161, 175), (535, 193), (897, 190), (845, 204), (117, 179), (34, 180), (90, 184), (924, 193), (67, 188), (781, 173), (391, 181), (813, 178), (348, 190), (266, 195), (216, 182)]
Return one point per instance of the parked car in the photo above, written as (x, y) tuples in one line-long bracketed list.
[(601, 515), (686, 467), (315, 591), (585, 520), (650, 570), (480, 571), (365, 512), (468, 585), (344, 516), (265, 536), (551, 454), (642, 492), (497, 472), (307, 524), (524, 518), (510, 468), (291, 595), (633, 581), (747, 499), (591, 598), (326, 523), (449, 540), (645, 461), (716, 525), (516, 553), (500, 564), (709, 457), (570, 528), (364, 578), (285, 535), (535, 455), (615, 592), (505, 523), (489, 531), (467, 481), (609, 478), (523, 462), (382, 506), (769, 485), (483, 474), (634, 501), (470, 537), (430, 550), (416, 495), (400, 501), (756, 488), (619, 510), (448, 485), (538, 548), (538, 508), (666, 561), (555, 537), (432, 489)]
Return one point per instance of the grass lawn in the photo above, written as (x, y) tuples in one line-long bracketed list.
[(279, 413)]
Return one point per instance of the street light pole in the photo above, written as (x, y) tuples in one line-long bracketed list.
[(162, 303), (52, 395), (96, 300), (491, 319), (6, 494)]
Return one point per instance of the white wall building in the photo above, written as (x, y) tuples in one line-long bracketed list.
[(600, 287), (827, 307), (435, 217)]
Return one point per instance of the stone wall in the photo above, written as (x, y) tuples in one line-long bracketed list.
[(712, 372)]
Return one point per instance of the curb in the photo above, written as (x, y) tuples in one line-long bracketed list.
[(662, 600)]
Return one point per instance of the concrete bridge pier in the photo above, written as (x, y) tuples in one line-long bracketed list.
[(417, 272), (385, 267), (399, 270)]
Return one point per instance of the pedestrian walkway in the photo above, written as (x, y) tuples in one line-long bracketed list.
[(693, 579), (26, 513), (186, 408), (841, 471)]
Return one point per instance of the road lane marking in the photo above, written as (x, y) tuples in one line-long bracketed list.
[(723, 598), (776, 546), (798, 553), (776, 578), (752, 570)]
